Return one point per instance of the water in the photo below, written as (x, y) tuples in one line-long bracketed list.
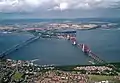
[(51, 51), (9, 40), (48, 51), (77, 20), (105, 43)]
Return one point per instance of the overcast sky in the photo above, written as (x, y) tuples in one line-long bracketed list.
[(59, 8)]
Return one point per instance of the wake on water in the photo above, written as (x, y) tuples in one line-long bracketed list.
[(118, 28)]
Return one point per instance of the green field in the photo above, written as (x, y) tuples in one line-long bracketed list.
[(17, 76), (100, 77)]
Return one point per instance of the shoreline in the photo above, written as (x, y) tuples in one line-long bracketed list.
[(34, 60)]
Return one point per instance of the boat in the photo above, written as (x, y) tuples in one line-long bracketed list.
[(91, 62), (5, 32)]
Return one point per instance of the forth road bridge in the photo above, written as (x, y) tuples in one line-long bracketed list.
[(18, 46)]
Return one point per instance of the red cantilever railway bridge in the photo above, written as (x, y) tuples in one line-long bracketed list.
[(85, 49)]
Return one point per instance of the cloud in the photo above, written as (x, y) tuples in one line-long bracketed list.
[(45, 5)]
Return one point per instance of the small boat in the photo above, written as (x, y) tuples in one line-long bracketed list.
[(5, 32), (91, 62)]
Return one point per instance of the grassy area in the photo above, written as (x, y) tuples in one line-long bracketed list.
[(17, 76), (101, 78)]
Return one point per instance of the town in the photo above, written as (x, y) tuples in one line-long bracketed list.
[(49, 26), (18, 71)]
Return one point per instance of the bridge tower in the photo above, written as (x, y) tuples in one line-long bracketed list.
[(85, 49), (73, 40)]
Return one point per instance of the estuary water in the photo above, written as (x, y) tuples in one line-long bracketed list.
[(103, 42)]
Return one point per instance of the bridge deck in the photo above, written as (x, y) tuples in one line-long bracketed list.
[(18, 46), (87, 51)]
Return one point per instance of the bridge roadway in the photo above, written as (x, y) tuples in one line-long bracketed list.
[(86, 50), (18, 46)]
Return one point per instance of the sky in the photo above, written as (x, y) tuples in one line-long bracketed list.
[(14, 9)]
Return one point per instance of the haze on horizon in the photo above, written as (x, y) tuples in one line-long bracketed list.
[(14, 9)]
